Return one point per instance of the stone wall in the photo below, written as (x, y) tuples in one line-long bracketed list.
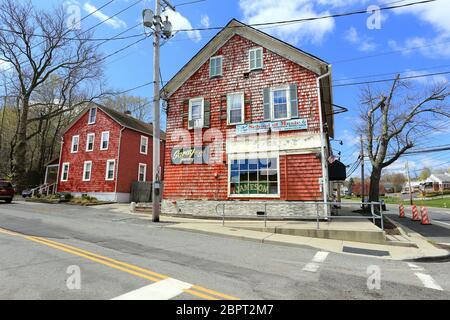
[(210, 208)]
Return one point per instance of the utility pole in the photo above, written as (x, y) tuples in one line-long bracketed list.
[(160, 29), (361, 156), (409, 183)]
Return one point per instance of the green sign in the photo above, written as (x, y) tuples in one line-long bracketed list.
[(197, 155), (252, 188)]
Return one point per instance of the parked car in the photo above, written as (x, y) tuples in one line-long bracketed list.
[(27, 193), (6, 191)]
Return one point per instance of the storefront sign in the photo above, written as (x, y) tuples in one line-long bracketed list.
[(190, 155), (282, 125), (252, 188)]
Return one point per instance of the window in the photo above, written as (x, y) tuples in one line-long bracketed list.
[(215, 67), (196, 111), (87, 169), (110, 165), (250, 177), (75, 143), (90, 141), (92, 115), (105, 140), (142, 173), (144, 145), (65, 171), (280, 104), (255, 58), (235, 103)]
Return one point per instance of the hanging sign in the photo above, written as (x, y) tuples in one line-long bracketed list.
[(190, 155), (282, 125)]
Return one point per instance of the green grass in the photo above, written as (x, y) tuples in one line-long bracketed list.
[(436, 202), (433, 202)]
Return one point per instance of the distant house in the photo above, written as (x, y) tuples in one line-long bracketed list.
[(439, 182), (416, 186), (357, 189), (103, 152)]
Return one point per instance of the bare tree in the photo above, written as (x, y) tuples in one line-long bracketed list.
[(41, 49), (137, 106), (393, 121)]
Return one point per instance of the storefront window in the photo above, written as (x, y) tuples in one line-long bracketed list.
[(254, 176)]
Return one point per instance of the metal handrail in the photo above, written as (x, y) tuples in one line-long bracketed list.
[(372, 204)]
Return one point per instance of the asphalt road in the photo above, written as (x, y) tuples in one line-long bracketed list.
[(43, 246), (438, 231)]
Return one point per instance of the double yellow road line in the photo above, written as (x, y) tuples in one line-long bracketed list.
[(147, 274)]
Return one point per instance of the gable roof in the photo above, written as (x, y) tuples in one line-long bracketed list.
[(440, 177), (123, 119), (284, 49)]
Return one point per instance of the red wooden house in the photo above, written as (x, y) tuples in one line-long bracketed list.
[(103, 152), (239, 92)]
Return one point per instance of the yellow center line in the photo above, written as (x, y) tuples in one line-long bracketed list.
[(119, 265)]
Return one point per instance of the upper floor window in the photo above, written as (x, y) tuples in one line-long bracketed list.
[(75, 143), (90, 141), (256, 58), (92, 115), (87, 169), (144, 145), (215, 66), (105, 140), (65, 171), (280, 104), (235, 107), (142, 172), (196, 112)]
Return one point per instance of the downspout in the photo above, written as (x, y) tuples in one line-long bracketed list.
[(325, 189), (59, 165), (118, 161)]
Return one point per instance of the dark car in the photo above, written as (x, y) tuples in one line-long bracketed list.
[(6, 191)]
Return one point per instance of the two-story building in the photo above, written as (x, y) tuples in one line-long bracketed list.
[(103, 152), (248, 124)]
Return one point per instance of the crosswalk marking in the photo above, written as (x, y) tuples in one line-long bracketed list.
[(314, 265), (428, 281), (161, 290)]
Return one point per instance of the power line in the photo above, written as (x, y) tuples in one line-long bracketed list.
[(188, 3)]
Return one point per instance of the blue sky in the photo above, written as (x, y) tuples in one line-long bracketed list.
[(333, 40)]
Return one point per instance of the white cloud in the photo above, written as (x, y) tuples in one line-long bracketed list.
[(115, 22), (204, 21), (179, 22), (364, 44), (437, 47), (295, 33), (437, 79)]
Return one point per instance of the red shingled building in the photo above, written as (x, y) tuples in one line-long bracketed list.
[(103, 152), (245, 85)]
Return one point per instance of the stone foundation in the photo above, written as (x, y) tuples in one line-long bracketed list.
[(274, 209)]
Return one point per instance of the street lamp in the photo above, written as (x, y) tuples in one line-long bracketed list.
[(160, 30)]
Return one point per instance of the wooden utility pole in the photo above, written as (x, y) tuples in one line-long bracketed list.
[(361, 156), (409, 183)]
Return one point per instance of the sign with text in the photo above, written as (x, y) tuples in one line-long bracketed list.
[(282, 125), (190, 155)]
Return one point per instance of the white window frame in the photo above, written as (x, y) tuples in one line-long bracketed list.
[(244, 156), (202, 113), (113, 169), (250, 60), (87, 142), (288, 102), (84, 170), (145, 171), (73, 144), (141, 144), (221, 66), (90, 113), (101, 141), (229, 108), (62, 171)]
